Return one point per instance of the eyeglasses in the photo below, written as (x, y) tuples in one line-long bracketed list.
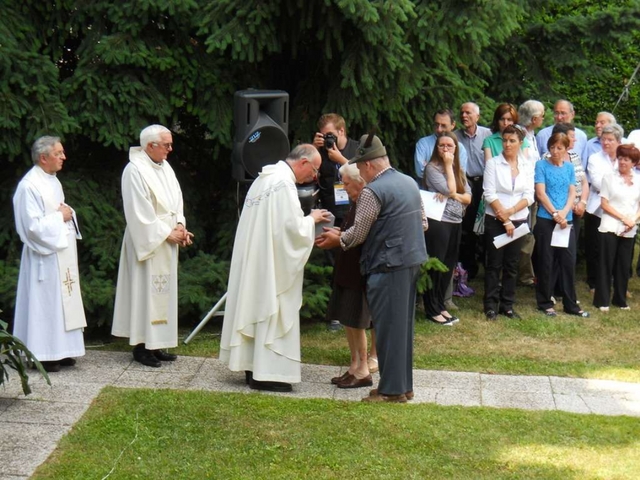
[(316, 172), (444, 145), (166, 146)]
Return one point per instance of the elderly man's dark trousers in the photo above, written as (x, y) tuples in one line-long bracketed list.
[(392, 302)]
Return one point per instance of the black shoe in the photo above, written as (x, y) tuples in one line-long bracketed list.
[(68, 362), (451, 318), (334, 326), (491, 315), (448, 322), (51, 366), (164, 356), (511, 314), (578, 313), (145, 357), (270, 386)]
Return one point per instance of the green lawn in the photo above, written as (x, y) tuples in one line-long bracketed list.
[(604, 346), (196, 435)]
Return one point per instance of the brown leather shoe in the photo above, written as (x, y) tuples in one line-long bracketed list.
[(341, 378), (354, 382), (408, 394), (385, 398)]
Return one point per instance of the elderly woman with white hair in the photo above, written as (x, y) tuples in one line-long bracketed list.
[(348, 302), (599, 165)]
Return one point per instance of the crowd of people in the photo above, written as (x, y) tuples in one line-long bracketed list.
[(511, 200), (535, 189)]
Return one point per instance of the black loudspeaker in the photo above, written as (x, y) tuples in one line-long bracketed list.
[(261, 118)]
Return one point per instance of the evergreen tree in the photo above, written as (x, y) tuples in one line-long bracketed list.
[(96, 72)]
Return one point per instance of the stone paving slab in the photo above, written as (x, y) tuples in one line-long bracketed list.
[(571, 403), (48, 413), (43, 413), (518, 399), (630, 391), (437, 379), (510, 383), (456, 396), (24, 448)]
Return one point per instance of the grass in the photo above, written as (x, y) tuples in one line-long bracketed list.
[(604, 346), (197, 435)]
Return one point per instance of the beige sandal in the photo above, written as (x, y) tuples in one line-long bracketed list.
[(372, 363)]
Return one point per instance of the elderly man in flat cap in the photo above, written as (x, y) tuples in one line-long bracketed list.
[(390, 223)]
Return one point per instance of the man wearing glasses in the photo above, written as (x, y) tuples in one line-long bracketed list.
[(443, 122), (261, 327), (146, 308)]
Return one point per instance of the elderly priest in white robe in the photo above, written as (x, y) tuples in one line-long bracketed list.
[(261, 328), (49, 313), (146, 306)]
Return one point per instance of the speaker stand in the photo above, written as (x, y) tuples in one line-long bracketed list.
[(207, 317)]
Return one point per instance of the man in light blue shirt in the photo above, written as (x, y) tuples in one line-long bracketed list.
[(563, 112), (472, 136), (443, 122)]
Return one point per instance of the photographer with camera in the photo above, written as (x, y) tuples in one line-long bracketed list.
[(335, 149)]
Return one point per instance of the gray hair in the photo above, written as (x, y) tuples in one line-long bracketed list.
[(609, 116), (476, 107), (42, 146), (350, 171), (152, 134), (304, 150), (562, 100), (528, 110), (613, 129)]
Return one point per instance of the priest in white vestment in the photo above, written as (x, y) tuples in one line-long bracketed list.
[(49, 315), (261, 328), (146, 305)]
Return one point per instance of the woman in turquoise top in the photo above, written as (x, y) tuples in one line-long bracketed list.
[(504, 116), (555, 188)]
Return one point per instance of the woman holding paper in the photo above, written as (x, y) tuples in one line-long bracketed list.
[(555, 185), (620, 201), (508, 193), (444, 176), (598, 166)]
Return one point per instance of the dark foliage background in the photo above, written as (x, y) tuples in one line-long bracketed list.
[(96, 72)]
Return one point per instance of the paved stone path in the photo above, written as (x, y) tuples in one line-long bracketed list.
[(31, 427)]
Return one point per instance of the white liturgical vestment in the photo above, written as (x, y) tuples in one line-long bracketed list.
[(261, 329), (49, 313), (146, 306)]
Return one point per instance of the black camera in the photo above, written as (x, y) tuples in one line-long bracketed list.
[(329, 141)]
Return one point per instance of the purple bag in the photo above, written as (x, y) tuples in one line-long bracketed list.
[(460, 287)]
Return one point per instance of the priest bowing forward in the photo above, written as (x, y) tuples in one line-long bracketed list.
[(49, 312), (146, 307), (261, 328)]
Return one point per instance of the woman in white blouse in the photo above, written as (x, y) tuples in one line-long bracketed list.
[(508, 193), (620, 201), (599, 165)]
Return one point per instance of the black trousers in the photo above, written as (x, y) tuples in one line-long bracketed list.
[(557, 282), (550, 258), (615, 260), (591, 247), (503, 260), (469, 241), (443, 241)]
